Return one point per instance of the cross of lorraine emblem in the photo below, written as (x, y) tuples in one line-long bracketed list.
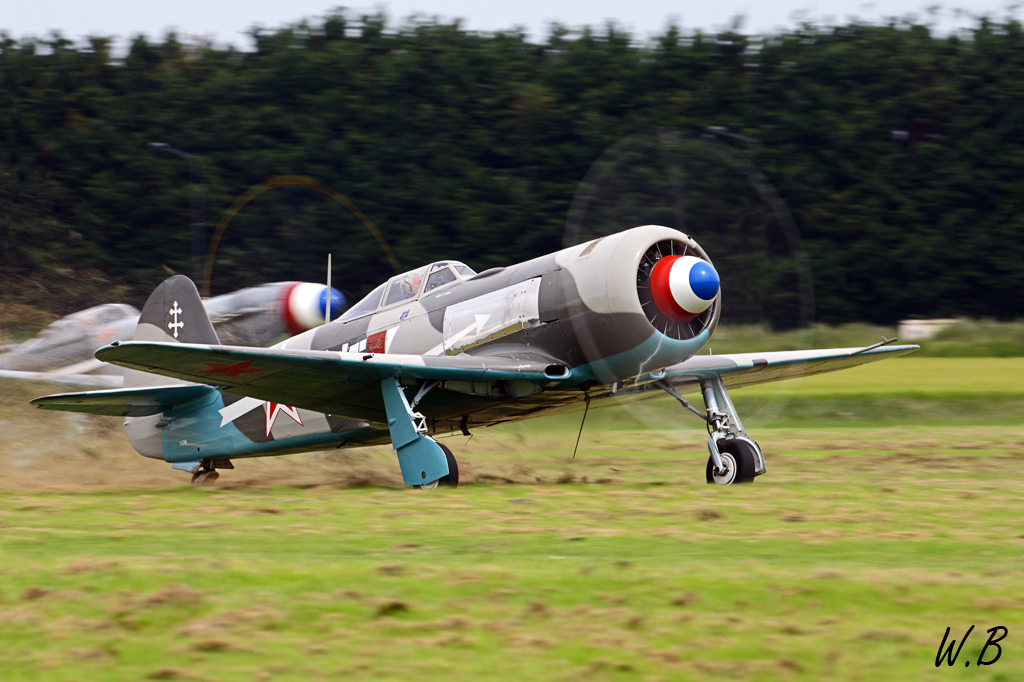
[(176, 325)]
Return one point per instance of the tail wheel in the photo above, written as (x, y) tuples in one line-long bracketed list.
[(207, 477), (739, 460)]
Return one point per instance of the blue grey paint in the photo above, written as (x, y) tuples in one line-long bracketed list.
[(421, 459)]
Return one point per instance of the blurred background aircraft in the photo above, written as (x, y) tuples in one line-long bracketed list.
[(254, 316)]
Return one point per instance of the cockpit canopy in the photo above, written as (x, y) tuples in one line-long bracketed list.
[(409, 286)]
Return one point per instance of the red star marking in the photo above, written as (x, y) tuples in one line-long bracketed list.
[(231, 371)]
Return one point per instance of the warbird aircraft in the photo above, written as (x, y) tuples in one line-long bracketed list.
[(255, 316), (442, 349)]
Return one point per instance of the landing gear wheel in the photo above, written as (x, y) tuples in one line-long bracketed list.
[(205, 477), (452, 479), (739, 461)]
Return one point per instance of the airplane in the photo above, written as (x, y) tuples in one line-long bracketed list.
[(254, 316), (443, 349)]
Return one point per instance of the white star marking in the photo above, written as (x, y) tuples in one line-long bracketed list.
[(236, 409)]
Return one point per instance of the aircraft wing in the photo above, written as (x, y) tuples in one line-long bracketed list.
[(747, 369), (345, 384)]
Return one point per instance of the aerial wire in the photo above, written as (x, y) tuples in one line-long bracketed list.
[(327, 306), (586, 409)]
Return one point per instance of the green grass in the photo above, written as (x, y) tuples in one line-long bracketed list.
[(980, 338), (967, 339), (846, 564), (909, 389), (893, 507)]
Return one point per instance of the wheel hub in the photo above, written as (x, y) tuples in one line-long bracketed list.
[(729, 475)]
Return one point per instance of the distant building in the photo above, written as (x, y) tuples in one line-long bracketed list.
[(914, 330)]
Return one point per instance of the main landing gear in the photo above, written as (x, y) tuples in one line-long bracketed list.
[(734, 456), (452, 479), (425, 463)]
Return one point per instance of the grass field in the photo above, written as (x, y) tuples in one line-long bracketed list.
[(893, 507), (966, 339)]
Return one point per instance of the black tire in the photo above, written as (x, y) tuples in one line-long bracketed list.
[(738, 454), (452, 479)]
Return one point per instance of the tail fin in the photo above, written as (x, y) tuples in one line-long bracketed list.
[(174, 313)]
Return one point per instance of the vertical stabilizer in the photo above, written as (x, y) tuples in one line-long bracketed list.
[(174, 313)]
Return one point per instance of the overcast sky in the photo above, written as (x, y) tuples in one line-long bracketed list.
[(225, 21)]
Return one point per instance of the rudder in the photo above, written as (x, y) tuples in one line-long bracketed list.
[(174, 313)]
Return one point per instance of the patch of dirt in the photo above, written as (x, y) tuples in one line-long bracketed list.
[(255, 617), (218, 646), (167, 674), (386, 606), (34, 593), (174, 594), (687, 599)]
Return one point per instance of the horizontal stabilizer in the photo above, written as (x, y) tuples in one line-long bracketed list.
[(124, 402)]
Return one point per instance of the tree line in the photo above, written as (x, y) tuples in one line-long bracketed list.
[(895, 152)]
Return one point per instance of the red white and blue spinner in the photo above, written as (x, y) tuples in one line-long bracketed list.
[(683, 287)]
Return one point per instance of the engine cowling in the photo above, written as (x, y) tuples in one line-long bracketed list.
[(650, 298)]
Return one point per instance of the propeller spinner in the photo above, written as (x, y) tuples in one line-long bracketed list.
[(683, 287)]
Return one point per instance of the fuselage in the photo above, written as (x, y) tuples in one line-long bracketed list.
[(584, 312)]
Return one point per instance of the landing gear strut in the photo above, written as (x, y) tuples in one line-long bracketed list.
[(734, 457), (424, 462)]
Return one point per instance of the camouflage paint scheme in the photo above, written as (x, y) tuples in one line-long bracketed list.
[(478, 350)]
